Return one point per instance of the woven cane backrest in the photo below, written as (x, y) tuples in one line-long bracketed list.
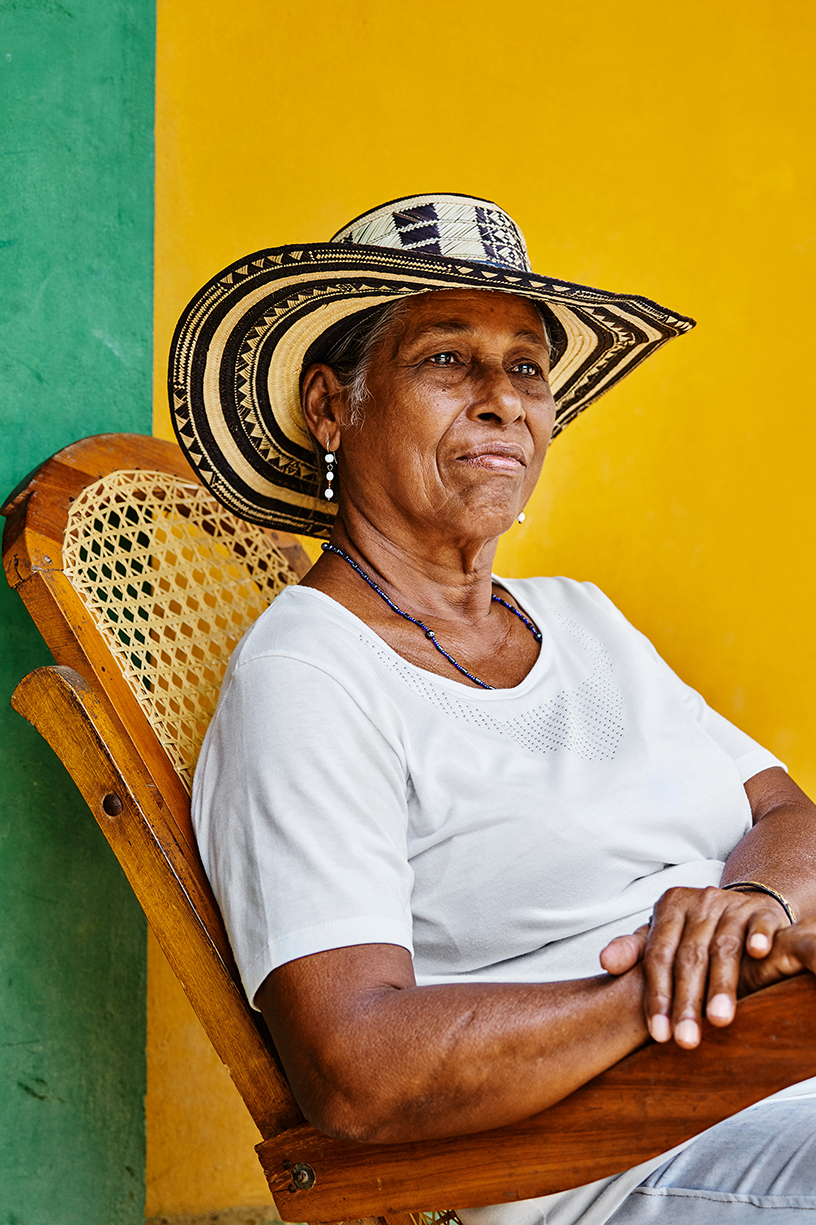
[(172, 581), (448, 1217)]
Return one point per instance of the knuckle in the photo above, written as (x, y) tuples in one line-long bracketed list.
[(660, 954), (713, 900), (789, 964), (676, 895), (692, 956), (727, 945)]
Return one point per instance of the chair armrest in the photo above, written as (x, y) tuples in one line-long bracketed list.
[(644, 1105)]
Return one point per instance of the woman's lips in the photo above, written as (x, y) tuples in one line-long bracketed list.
[(509, 460)]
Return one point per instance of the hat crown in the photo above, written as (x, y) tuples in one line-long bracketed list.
[(457, 227)]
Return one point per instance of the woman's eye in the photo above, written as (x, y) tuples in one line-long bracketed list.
[(443, 359), (528, 369)]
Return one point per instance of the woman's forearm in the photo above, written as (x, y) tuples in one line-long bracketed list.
[(780, 849), (395, 1063), (373, 1057)]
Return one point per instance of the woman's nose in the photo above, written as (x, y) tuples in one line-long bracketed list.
[(497, 395)]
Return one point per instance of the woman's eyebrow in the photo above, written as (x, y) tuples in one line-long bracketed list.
[(533, 336), (442, 325)]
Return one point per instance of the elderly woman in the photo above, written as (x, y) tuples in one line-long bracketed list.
[(473, 840)]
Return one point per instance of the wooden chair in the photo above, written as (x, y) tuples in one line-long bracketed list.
[(141, 584)]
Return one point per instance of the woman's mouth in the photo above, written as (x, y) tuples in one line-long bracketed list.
[(503, 458)]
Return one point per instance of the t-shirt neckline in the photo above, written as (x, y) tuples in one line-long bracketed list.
[(541, 664)]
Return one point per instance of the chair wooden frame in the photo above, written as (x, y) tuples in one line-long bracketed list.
[(84, 708)]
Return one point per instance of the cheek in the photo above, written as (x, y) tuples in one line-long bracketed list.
[(543, 421), (541, 428), (418, 429), (397, 452)]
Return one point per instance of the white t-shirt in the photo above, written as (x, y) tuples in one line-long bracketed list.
[(345, 796)]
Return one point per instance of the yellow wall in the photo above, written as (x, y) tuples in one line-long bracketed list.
[(200, 1138), (663, 152)]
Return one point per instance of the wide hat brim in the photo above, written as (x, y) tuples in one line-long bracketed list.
[(238, 352)]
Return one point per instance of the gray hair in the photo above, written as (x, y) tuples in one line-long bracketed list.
[(351, 356)]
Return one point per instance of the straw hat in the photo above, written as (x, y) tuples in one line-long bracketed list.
[(240, 346)]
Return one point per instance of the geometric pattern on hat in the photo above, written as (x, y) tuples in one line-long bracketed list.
[(237, 354)]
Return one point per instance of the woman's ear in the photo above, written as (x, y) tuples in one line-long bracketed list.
[(324, 405)]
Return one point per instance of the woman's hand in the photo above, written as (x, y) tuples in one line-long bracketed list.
[(794, 950), (706, 947), (703, 949)]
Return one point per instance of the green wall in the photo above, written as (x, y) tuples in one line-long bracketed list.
[(76, 111)]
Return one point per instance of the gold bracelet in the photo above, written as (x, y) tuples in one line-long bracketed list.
[(757, 887)]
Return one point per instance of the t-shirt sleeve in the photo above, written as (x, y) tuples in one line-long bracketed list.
[(300, 809), (750, 758)]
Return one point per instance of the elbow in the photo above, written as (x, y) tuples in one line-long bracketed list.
[(352, 1115), (344, 1119), (361, 1106)]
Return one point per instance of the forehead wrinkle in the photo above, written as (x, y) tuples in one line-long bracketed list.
[(442, 325), (461, 325)]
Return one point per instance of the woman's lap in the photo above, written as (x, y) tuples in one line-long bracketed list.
[(761, 1159)]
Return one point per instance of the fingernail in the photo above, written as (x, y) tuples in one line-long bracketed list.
[(721, 1007), (687, 1033), (759, 942), (659, 1028)]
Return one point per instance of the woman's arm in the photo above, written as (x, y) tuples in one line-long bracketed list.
[(372, 1057), (780, 849), (698, 952)]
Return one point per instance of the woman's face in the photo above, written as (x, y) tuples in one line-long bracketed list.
[(459, 419)]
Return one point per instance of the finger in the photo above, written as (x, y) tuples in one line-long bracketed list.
[(762, 928), (794, 950), (801, 939), (624, 952), (690, 977), (665, 934), (692, 961), (725, 961)]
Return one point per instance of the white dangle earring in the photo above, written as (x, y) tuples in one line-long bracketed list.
[(520, 518), (329, 458)]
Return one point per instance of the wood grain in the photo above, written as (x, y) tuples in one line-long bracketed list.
[(647, 1103), (169, 887)]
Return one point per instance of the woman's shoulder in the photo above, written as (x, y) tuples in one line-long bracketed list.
[(571, 597), (301, 623)]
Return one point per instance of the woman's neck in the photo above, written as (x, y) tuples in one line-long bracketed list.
[(445, 590), (451, 581)]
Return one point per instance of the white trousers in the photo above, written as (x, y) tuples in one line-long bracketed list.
[(760, 1161)]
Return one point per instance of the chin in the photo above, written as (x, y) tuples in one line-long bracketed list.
[(489, 522)]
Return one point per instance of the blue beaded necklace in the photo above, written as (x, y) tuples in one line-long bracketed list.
[(429, 634)]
